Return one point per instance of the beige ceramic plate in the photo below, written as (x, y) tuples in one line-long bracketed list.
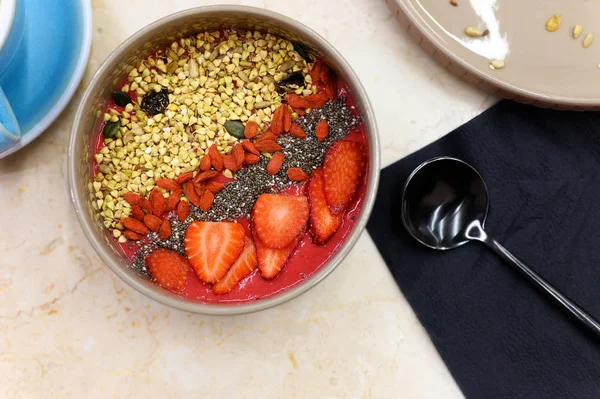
[(542, 68)]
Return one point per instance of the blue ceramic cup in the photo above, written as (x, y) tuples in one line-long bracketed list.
[(12, 21)]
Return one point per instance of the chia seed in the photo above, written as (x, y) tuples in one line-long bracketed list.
[(238, 197)]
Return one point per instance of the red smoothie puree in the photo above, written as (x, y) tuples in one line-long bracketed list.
[(308, 257)]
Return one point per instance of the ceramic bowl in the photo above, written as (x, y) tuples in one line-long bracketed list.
[(138, 47)]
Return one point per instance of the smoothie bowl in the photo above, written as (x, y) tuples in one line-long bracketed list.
[(224, 160)]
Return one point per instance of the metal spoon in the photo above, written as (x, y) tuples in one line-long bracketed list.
[(444, 205)]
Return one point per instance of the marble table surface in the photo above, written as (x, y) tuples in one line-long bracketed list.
[(69, 328)]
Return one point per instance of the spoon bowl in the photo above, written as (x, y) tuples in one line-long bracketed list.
[(441, 198), (445, 204)]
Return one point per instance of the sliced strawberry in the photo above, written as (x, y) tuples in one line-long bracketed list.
[(343, 170), (213, 247), (278, 219), (168, 268), (243, 266), (271, 261), (323, 223)]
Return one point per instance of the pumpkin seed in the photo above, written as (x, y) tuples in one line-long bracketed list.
[(172, 67), (111, 129), (286, 66), (473, 31), (301, 50), (587, 41), (235, 128), (577, 31), (121, 99), (553, 23), (262, 104), (295, 79), (497, 64)]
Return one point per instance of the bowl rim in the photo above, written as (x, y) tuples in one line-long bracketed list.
[(420, 20), (290, 293)]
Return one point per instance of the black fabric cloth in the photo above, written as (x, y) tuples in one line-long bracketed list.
[(500, 337)]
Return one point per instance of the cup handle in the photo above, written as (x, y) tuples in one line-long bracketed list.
[(10, 132)]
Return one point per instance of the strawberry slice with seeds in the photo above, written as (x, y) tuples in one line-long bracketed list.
[(213, 247), (279, 219), (243, 266), (343, 170), (168, 268), (271, 261), (323, 223)]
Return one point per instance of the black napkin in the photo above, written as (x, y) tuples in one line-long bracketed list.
[(499, 337)]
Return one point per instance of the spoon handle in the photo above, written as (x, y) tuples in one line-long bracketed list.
[(546, 287)]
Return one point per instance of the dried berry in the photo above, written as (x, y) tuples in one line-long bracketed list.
[(275, 163), (182, 178), (137, 212), (315, 73), (268, 135), (300, 111), (200, 187), (135, 225), (153, 222), (158, 202), (132, 235), (287, 119), (296, 101), (297, 131), (317, 100), (168, 184), (322, 130), (214, 186), (191, 194), (164, 232), (251, 159), (205, 163), (132, 198), (238, 155), (155, 103), (268, 146), (145, 205), (277, 120), (230, 163), (183, 211), (209, 174), (206, 201), (121, 98), (173, 200), (251, 148), (251, 129), (216, 158), (296, 174)]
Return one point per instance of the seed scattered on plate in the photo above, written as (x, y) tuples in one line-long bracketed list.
[(473, 31), (553, 23), (577, 31), (587, 41), (497, 64), (454, 3)]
